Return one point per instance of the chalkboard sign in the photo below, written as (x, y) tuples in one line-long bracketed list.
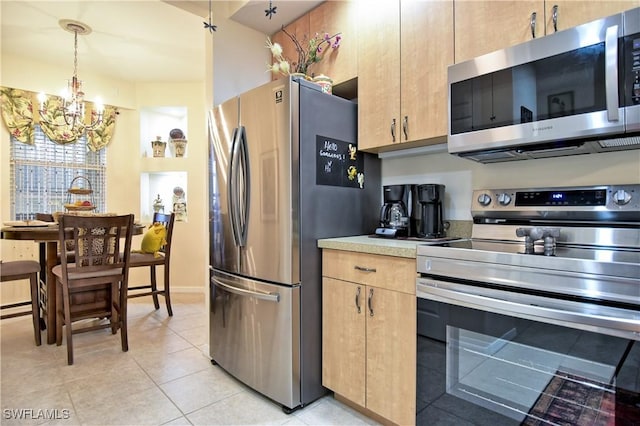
[(338, 163)]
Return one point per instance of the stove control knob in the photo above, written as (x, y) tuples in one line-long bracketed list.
[(621, 197), (484, 199), (504, 199)]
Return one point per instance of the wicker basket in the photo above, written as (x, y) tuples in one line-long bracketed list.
[(80, 185)]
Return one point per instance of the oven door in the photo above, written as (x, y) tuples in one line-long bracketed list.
[(562, 86), (502, 361)]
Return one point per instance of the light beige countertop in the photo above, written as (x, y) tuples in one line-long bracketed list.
[(372, 245)]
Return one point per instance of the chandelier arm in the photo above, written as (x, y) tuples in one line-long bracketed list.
[(72, 107)]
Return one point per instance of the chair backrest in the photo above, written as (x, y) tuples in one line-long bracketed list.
[(167, 219), (96, 241)]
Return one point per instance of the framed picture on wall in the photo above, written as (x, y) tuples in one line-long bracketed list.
[(560, 104)]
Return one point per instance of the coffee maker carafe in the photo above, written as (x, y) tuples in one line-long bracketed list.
[(427, 212), (394, 215)]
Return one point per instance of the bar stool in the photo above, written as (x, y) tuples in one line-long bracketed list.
[(20, 270)]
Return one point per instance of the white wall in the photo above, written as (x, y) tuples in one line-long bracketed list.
[(461, 176), (239, 57)]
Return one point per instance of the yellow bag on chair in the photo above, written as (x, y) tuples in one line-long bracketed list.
[(154, 240)]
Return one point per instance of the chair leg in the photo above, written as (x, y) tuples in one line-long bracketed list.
[(167, 294), (59, 313), (154, 287), (123, 321), (35, 310), (115, 294), (67, 322)]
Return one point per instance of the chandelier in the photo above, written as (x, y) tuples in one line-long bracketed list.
[(70, 112)]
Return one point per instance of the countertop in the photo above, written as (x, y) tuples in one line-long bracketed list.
[(372, 245)]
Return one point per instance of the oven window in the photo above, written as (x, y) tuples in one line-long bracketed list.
[(494, 370)]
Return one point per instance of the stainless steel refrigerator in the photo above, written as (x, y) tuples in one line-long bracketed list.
[(284, 172)]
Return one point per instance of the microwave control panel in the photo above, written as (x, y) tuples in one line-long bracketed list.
[(632, 53)]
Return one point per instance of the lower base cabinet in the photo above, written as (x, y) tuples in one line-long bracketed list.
[(369, 332)]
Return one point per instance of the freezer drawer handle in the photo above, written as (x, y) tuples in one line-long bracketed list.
[(363, 269), (271, 297)]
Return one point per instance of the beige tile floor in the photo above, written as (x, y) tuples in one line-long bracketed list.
[(166, 377)]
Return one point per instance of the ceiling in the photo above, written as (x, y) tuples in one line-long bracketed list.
[(135, 40)]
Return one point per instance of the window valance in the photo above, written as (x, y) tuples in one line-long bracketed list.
[(18, 116)]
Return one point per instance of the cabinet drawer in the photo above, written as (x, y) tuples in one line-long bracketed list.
[(393, 273)]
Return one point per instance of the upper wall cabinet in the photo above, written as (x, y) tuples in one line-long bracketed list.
[(404, 48), (484, 26), (564, 14), (333, 17), (330, 17)]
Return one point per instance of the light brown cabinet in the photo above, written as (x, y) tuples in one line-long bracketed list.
[(334, 17), (404, 48), (571, 13), (330, 17), (369, 332), (485, 26)]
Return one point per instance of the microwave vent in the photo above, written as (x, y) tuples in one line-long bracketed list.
[(620, 142)]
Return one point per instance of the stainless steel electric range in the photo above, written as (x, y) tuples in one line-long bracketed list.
[(536, 318)]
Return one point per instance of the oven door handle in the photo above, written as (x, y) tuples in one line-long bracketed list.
[(586, 316)]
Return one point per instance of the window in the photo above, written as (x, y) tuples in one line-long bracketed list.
[(40, 175)]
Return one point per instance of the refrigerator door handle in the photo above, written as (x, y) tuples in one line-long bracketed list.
[(232, 189), (271, 297), (244, 187)]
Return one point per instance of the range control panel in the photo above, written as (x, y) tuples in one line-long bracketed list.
[(604, 201)]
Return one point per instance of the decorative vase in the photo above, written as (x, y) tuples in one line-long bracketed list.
[(299, 75), (158, 147), (325, 83), (157, 205), (179, 147)]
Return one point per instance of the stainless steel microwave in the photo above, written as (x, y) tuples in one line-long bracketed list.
[(576, 91)]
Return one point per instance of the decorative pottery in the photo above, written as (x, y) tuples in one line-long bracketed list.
[(176, 134), (325, 83), (157, 205), (299, 75), (179, 147), (180, 204), (159, 146)]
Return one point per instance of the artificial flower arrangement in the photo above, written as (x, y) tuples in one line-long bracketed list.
[(314, 52)]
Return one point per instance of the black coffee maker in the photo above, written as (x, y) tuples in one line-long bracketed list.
[(427, 211), (394, 214)]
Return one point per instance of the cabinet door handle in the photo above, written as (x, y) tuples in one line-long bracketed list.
[(554, 15), (370, 302), (358, 299), (393, 130), (533, 25), (363, 269), (405, 127)]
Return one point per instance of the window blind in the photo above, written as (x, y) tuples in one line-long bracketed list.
[(40, 175)]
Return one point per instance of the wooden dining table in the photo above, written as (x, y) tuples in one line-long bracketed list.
[(47, 236)]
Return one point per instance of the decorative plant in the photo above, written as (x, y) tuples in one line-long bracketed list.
[(315, 50)]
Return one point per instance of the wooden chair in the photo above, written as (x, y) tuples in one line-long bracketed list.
[(148, 259), (95, 286), (21, 270)]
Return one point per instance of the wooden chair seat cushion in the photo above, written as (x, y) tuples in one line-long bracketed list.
[(145, 259), (18, 268)]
